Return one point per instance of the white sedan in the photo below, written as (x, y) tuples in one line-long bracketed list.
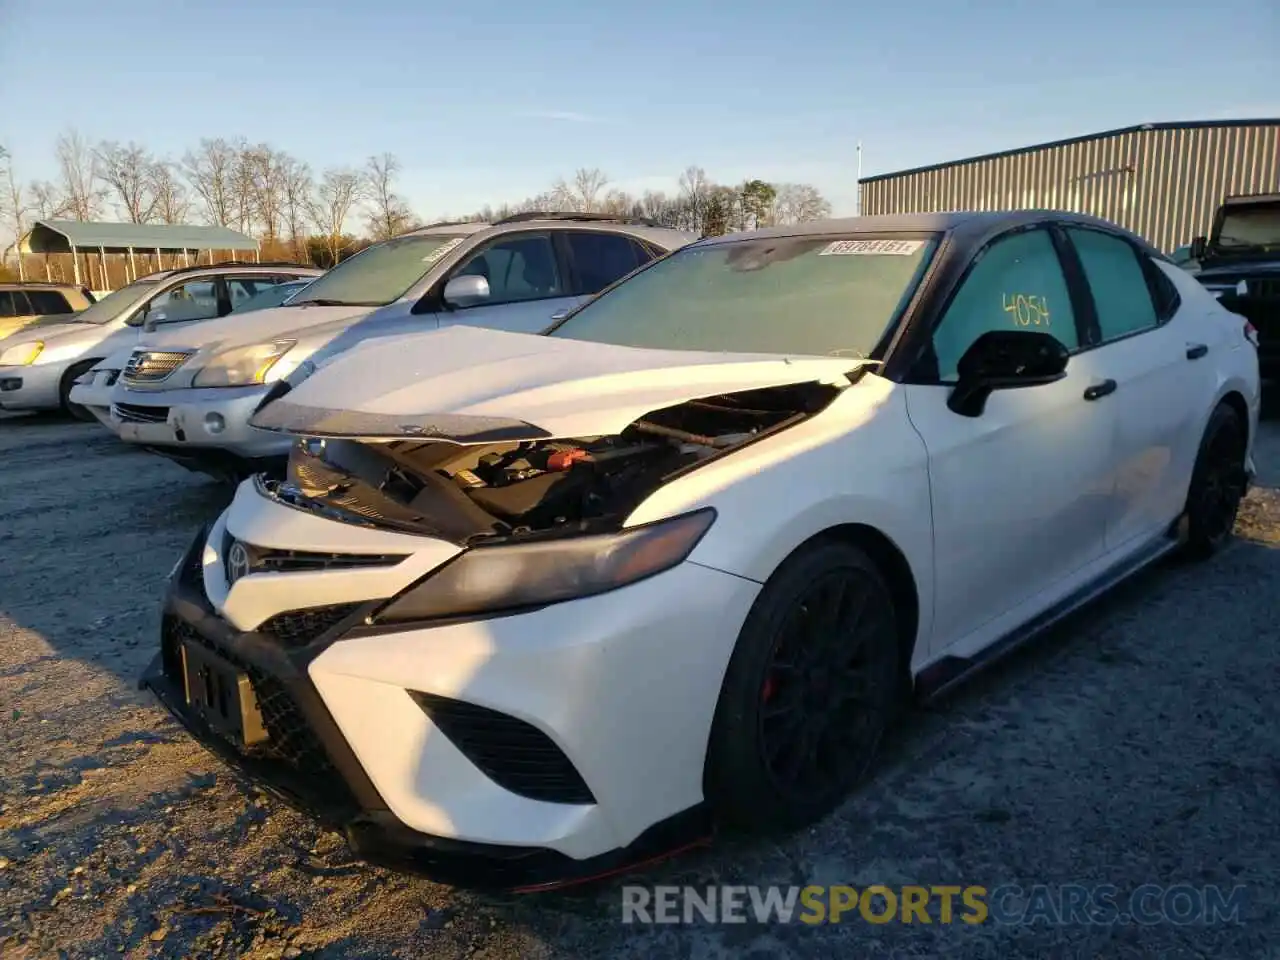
[(529, 609)]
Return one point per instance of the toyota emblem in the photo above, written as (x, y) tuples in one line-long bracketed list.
[(237, 562)]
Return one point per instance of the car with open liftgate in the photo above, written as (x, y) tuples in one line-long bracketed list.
[(188, 395), (528, 609)]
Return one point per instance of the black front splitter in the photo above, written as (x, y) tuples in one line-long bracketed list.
[(372, 831)]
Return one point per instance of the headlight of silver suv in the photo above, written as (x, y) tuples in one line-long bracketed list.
[(242, 366)]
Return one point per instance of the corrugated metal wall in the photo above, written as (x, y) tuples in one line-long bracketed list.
[(1163, 184)]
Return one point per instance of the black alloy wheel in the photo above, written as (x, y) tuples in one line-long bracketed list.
[(1217, 483), (811, 692)]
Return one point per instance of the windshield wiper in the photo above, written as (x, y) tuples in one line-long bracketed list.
[(322, 302)]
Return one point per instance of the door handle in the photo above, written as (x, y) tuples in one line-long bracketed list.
[(1196, 350), (1099, 390)]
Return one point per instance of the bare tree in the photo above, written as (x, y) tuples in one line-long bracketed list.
[(265, 172), (242, 189), (170, 198), (211, 171), (126, 170), (799, 202), (389, 214), (78, 165), (297, 204), (338, 192), (14, 206), (584, 192), (48, 202), (695, 190)]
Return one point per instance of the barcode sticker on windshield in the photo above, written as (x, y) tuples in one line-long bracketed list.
[(441, 250), (864, 248)]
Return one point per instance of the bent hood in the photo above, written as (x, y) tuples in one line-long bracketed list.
[(256, 326), (476, 385)]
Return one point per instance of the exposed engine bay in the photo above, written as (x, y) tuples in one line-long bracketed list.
[(468, 493)]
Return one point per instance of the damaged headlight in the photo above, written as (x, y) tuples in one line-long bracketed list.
[(492, 579), (242, 366)]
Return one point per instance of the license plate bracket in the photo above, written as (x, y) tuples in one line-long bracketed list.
[(222, 695)]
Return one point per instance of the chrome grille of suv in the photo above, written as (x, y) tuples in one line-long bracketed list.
[(147, 366)]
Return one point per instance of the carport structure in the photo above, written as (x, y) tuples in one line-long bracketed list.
[(77, 237)]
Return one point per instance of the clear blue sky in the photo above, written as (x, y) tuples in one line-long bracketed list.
[(491, 103)]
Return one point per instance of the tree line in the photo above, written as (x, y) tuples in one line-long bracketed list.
[(323, 216)]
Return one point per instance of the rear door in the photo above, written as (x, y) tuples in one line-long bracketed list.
[(1161, 361), (598, 259)]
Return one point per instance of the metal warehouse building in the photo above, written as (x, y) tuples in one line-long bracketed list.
[(1163, 181)]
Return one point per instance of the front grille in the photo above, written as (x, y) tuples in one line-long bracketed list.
[(147, 366), (515, 755), (272, 560), (290, 741), (139, 413), (297, 628)]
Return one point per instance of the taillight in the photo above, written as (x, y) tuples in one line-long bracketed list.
[(1251, 333)]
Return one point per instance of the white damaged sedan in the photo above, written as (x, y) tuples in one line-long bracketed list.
[(530, 609)]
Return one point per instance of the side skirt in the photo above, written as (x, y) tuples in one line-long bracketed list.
[(944, 675)]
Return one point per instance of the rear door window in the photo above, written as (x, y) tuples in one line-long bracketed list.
[(48, 302), (1120, 286), (601, 258)]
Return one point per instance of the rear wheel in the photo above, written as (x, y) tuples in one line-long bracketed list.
[(64, 391), (810, 693), (1217, 483)]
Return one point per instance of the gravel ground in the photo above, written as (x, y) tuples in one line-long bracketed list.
[(1131, 747)]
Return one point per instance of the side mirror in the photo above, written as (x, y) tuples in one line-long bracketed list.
[(1006, 360), (1198, 247), (466, 291), (1242, 288)]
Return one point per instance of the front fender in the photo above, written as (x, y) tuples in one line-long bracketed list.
[(858, 462)]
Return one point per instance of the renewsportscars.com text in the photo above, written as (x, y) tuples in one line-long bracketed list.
[(1066, 904)]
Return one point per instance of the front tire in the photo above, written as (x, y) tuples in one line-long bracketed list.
[(64, 391), (811, 690), (1217, 484)]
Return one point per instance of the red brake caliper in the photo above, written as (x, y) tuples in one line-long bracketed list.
[(767, 691)]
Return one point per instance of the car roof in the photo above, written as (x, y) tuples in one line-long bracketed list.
[(1247, 198), (272, 267), (39, 285), (555, 221), (969, 227)]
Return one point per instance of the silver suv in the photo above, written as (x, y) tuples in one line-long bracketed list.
[(40, 363), (189, 396)]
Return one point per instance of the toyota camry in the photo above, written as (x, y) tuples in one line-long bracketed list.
[(530, 609)]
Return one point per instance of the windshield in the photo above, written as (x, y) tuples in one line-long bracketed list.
[(1250, 228), (380, 274), (117, 303), (816, 296)]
